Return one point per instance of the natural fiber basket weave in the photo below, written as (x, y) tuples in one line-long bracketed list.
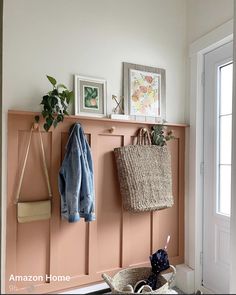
[(145, 178), (131, 276)]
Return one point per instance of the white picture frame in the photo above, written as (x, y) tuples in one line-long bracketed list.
[(90, 96)]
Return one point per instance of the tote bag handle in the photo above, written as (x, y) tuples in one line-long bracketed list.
[(25, 160), (143, 137)]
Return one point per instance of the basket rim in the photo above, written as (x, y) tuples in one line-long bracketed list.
[(147, 268)]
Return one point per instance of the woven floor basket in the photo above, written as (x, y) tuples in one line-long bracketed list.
[(145, 178), (132, 276)]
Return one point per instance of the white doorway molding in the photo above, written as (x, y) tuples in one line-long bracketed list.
[(221, 35), (233, 176)]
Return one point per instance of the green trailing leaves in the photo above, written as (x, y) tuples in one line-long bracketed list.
[(70, 96), (55, 104), (46, 127), (52, 80), (49, 121), (55, 123), (61, 86)]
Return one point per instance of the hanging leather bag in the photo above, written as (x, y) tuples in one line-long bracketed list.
[(144, 172), (29, 211)]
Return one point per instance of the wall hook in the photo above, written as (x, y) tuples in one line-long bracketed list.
[(112, 129), (35, 126)]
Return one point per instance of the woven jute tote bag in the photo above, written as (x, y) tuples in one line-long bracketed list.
[(144, 172)]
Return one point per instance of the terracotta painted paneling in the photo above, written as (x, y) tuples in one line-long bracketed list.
[(34, 248), (162, 218), (108, 204), (83, 251), (140, 242), (73, 249)]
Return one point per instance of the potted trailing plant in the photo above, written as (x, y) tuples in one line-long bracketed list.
[(55, 104)]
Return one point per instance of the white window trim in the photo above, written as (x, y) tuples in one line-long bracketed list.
[(220, 36), (233, 175)]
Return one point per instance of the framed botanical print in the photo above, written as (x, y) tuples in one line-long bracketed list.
[(144, 91), (90, 96)]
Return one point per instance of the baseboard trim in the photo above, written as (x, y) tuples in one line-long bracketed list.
[(185, 278), (93, 289)]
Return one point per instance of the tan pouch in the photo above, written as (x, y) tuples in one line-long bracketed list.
[(32, 211)]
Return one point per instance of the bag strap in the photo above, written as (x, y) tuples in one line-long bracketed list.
[(143, 137), (25, 160)]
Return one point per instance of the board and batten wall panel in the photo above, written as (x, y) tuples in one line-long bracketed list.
[(73, 240), (108, 205), (83, 251), (38, 241)]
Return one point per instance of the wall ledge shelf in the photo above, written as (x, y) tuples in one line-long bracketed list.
[(104, 119)]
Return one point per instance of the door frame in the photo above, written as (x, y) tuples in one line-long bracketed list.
[(1, 71), (212, 215), (194, 205)]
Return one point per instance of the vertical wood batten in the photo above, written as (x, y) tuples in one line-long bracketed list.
[(151, 232), (92, 254), (49, 263), (55, 220), (181, 182), (125, 223)]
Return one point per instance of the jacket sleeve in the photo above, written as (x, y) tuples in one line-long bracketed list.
[(70, 177), (92, 190), (87, 188)]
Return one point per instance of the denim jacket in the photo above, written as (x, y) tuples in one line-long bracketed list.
[(76, 182)]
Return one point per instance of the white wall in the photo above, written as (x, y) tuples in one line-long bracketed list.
[(64, 37), (204, 16), (89, 37)]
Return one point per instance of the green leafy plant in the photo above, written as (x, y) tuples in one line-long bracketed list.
[(55, 104), (160, 135)]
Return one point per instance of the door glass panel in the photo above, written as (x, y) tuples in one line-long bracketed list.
[(226, 75), (225, 139)]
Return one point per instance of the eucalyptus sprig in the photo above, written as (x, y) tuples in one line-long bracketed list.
[(160, 136), (55, 104)]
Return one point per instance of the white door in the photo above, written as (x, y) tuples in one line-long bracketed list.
[(217, 168)]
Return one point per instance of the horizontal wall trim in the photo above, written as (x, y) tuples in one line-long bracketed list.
[(105, 119)]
